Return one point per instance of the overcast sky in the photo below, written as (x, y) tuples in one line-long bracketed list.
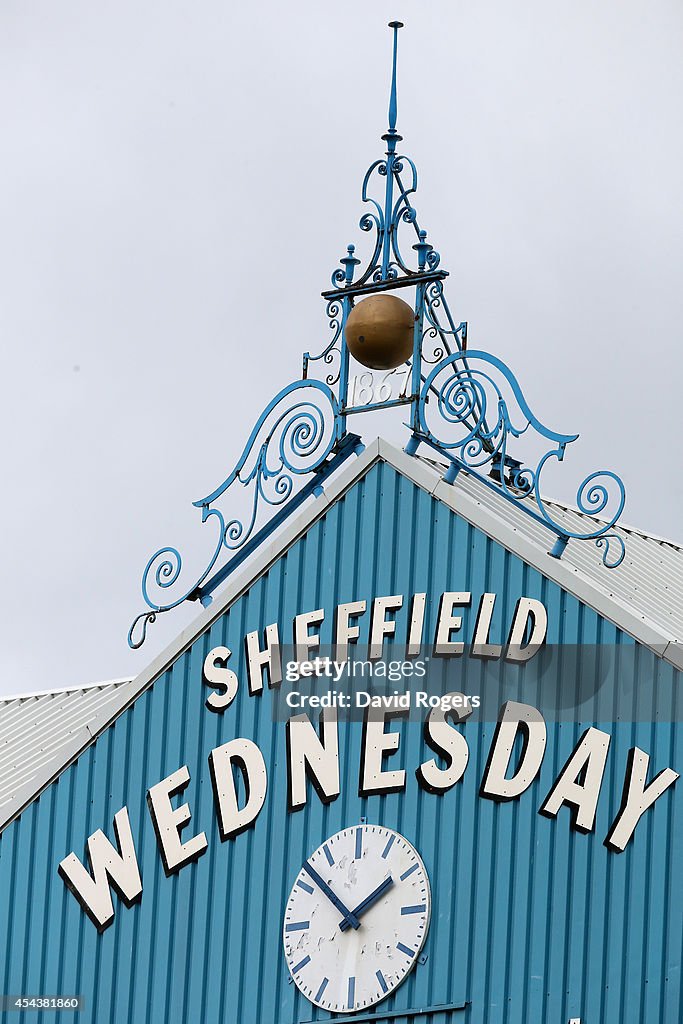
[(178, 182)]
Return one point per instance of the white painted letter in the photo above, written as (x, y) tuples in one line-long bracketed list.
[(527, 609), (233, 819), (587, 764), (380, 626), (312, 756), (109, 866), (375, 746), (417, 621), (270, 658), (221, 677), (168, 822), (448, 623), (449, 744), (514, 717), (305, 642), (481, 648), (637, 797), (345, 633)]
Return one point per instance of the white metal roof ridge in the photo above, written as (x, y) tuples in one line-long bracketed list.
[(485, 517), (65, 689), (568, 575), (41, 734), (568, 507)]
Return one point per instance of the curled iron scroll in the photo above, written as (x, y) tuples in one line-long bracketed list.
[(293, 436), (469, 390)]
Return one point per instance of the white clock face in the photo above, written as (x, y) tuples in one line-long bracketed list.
[(356, 918)]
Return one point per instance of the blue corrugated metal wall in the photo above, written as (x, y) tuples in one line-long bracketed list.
[(531, 922)]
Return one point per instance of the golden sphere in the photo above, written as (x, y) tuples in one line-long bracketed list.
[(379, 332)]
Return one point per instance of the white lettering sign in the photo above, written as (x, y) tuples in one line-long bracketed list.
[(514, 761)]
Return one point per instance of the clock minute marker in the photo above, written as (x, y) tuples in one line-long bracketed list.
[(405, 949), (387, 848)]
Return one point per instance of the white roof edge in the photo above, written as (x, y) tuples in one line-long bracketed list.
[(570, 578), (567, 506), (65, 689), (626, 527)]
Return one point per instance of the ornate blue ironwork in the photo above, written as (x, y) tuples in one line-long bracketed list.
[(463, 387), (466, 405), (331, 354), (398, 175), (294, 436)]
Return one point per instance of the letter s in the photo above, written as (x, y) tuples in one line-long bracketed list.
[(221, 678)]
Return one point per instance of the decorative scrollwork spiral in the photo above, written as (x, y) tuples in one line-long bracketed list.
[(385, 219), (331, 354), (472, 392), (293, 437)]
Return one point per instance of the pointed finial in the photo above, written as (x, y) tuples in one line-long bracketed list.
[(422, 248), (396, 25), (349, 262)]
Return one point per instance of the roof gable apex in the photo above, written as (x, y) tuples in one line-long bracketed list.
[(485, 517)]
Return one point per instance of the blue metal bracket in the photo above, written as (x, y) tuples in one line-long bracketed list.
[(559, 546), (466, 405), (320, 459), (414, 1011), (350, 445)]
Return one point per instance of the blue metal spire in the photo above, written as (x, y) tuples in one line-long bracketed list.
[(392, 138), (396, 25)]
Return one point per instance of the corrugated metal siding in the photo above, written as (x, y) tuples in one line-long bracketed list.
[(39, 732), (530, 921)]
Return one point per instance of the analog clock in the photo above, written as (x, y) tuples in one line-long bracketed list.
[(356, 918)]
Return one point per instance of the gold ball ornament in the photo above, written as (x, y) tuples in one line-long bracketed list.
[(379, 332)]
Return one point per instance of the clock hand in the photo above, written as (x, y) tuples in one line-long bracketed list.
[(350, 919), (368, 901)]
